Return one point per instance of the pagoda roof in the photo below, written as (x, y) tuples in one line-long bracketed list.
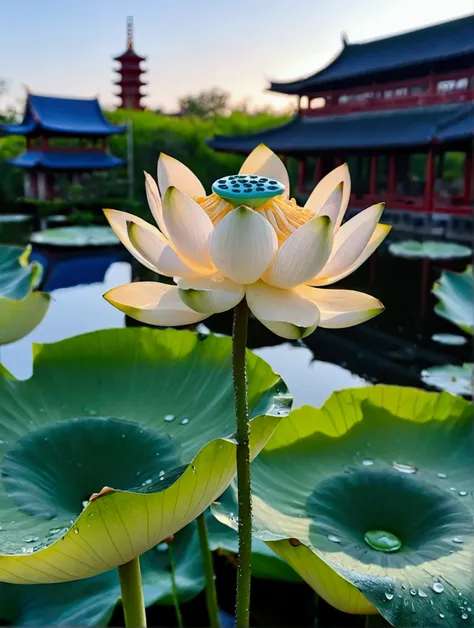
[(441, 47), (129, 55), (62, 116), (60, 160), (398, 128)]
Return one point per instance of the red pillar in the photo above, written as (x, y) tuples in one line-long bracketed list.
[(301, 174), (373, 176), (429, 180), (468, 173), (392, 175)]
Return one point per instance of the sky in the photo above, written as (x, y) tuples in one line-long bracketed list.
[(65, 47)]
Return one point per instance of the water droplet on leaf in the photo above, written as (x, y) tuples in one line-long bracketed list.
[(442, 475), (462, 493), (333, 538), (404, 468), (457, 539), (438, 587), (382, 541), (389, 595), (367, 462), (421, 593), (184, 421)]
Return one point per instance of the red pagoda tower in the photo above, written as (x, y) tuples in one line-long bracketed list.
[(130, 73)]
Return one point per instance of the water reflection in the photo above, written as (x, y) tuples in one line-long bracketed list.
[(73, 311)]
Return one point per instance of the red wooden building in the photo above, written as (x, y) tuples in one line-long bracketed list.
[(393, 108), (64, 137), (130, 72)]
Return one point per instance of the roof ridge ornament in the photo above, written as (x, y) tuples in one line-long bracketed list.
[(130, 32), (344, 39)]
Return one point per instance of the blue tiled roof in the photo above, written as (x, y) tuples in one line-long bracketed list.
[(391, 58), (71, 116), (66, 160), (356, 131)]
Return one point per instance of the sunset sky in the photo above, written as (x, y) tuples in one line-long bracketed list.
[(65, 48)]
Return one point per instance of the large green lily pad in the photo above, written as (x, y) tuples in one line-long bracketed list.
[(383, 458), (149, 413), (456, 298), (21, 309), (76, 236), (91, 602), (414, 249)]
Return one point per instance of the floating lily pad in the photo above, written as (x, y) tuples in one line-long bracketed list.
[(370, 500), (91, 602), (454, 379), (21, 309), (149, 413), (76, 236), (456, 298), (429, 249), (449, 339)]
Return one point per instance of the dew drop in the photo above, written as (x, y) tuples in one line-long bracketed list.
[(169, 418), (441, 615), (412, 591), (138, 473), (333, 538), (27, 550), (382, 540), (76, 530), (184, 421), (84, 503), (404, 468), (146, 482), (55, 530), (462, 493), (438, 587), (91, 515), (421, 593), (162, 547), (388, 595), (452, 488), (368, 462), (457, 539), (464, 616), (406, 602), (442, 475), (31, 539), (161, 474)]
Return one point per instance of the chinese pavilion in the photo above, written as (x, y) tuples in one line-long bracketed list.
[(392, 108), (63, 135), (130, 73)]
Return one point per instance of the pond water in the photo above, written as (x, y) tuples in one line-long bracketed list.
[(393, 348)]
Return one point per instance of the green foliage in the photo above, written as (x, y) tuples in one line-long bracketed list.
[(205, 104)]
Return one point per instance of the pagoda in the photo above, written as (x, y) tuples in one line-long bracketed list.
[(130, 74), (64, 136), (392, 108)]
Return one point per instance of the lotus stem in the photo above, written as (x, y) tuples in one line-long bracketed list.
[(174, 588), (206, 554), (244, 567), (132, 594)]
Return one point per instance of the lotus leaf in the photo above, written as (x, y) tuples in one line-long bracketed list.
[(76, 236), (91, 602), (413, 249), (21, 309), (456, 298), (148, 413), (370, 500), (454, 379)]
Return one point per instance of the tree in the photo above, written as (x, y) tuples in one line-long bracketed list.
[(205, 104)]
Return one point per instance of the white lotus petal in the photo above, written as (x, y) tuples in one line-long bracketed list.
[(152, 303), (285, 312), (119, 220), (302, 255), (351, 240), (210, 294), (342, 308), (189, 228), (154, 202), (243, 245), (155, 248), (264, 162), (379, 235), (331, 196), (172, 173)]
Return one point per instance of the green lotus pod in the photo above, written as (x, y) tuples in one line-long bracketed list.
[(370, 500), (456, 298), (21, 310), (91, 602), (118, 440)]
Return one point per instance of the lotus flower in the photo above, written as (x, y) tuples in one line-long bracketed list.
[(248, 239)]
